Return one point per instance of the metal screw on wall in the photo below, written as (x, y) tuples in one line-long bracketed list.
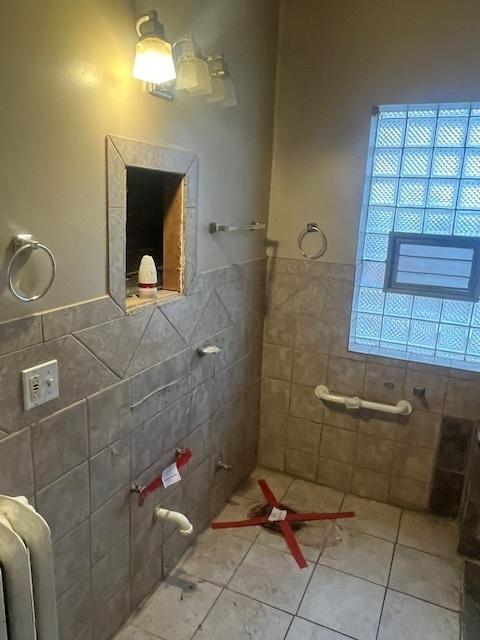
[(221, 466)]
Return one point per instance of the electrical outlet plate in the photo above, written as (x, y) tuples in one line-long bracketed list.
[(40, 384)]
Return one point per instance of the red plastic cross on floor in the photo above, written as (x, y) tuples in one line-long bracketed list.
[(285, 527)]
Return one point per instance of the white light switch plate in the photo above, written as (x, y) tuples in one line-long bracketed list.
[(40, 384)]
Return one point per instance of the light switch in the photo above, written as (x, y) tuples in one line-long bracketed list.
[(40, 384)]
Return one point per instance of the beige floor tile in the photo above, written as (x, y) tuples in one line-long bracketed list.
[(238, 508), (428, 533), (343, 603), (304, 630), (376, 518), (315, 534), (427, 577), (134, 633), (359, 554), (277, 541), (306, 496), (278, 483), (273, 577), (236, 617), (406, 618), (177, 607), (214, 557)]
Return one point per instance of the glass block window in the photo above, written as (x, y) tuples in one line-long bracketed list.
[(418, 261)]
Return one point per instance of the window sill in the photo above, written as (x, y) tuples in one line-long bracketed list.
[(134, 303)]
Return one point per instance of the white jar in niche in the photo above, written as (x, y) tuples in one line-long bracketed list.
[(147, 278)]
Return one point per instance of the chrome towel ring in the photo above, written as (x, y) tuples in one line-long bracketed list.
[(21, 243), (312, 227)]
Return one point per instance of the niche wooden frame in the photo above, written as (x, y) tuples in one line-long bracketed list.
[(123, 153)]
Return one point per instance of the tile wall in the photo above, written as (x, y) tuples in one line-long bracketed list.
[(390, 459), (132, 389)]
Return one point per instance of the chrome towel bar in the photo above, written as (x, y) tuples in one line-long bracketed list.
[(402, 408), (214, 227)]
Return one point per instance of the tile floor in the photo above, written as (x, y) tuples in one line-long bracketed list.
[(388, 574)]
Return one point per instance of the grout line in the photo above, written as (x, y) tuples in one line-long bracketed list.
[(433, 604), (78, 341), (222, 589), (266, 604), (430, 553), (132, 624), (289, 627), (389, 574), (323, 626), (241, 561)]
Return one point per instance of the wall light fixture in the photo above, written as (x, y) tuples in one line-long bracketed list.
[(166, 68), (153, 58), (223, 90)]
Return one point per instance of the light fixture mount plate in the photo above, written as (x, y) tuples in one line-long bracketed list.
[(164, 91)]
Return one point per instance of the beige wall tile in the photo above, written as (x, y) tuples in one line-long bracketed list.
[(303, 435), (338, 444), (309, 368), (429, 368), (301, 464), (271, 455), (380, 424), (333, 473), (283, 292), (370, 484), (339, 416), (277, 362), (275, 395), (345, 376), (312, 333), (414, 462), (387, 362), (463, 399), (409, 493), (339, 335), (421, 428), (273, 427), (375, 453), (305, 405), (384, 384), (339, 294), (280, 328)]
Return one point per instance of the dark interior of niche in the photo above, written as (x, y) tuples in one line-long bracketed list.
[(154, 225)]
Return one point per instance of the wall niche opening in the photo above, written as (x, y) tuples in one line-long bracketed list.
[(154, 226)]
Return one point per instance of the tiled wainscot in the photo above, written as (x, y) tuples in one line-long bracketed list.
[(132, 389), (387, 458)]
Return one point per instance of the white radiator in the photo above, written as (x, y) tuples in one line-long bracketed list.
[(27, 582)]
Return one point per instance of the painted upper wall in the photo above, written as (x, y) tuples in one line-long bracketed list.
[(338, 58), (66, 83)]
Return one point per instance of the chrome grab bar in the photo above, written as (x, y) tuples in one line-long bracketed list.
[(402, 408), (214, 227)]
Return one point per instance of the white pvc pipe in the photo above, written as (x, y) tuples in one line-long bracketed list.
[(402, 408), (183, 524)]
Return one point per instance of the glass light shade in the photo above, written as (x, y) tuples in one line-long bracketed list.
[(230, 94), (193, 76), (223, 92), (153, 61)]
